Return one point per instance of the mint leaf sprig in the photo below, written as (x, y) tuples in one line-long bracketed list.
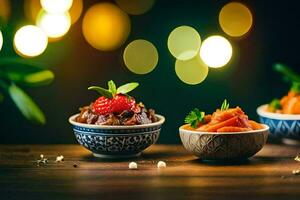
[(195, 117), (225, 105), (113, 90)]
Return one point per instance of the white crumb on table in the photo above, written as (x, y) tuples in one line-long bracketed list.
[(132, 165), (161, 164), (59, 158)]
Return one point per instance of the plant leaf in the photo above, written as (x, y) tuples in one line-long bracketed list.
[(31, 79), (26, 105), (20, 62), (124, 89), (112, 87), (195, 117), (101, 91), (287, 72)]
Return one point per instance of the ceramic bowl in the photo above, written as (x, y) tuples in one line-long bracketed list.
[(223, 146), (106, 141), (281, 125)]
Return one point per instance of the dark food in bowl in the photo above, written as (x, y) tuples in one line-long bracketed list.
[(116, 107), (127, 117)]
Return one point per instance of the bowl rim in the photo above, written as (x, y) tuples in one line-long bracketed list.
[(261, 111), (182, 130), (96, 126)]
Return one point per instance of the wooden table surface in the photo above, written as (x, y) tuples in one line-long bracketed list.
[(268, 175)]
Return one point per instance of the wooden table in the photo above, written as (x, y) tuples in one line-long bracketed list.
[(266, 176)]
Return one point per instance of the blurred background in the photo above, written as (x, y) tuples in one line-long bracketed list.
[(81, 53)]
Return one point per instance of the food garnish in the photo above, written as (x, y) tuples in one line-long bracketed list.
[(116, 107), (289, 104), (225, 105), (195, 117), (225, 119)]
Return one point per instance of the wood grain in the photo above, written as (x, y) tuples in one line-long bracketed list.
[(268, 175)]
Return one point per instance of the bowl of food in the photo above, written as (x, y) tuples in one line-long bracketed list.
[(225, 135), (115, 126), (283, 115)]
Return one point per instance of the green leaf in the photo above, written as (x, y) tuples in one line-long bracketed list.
[(124, 89), (19, 62), (295, 87), (225, 105), (275, 105), (26, 105), (101, 91), (112, 87), (31, 79), (287, 72), (195, 117)]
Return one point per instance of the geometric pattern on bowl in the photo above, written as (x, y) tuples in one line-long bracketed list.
[(283, 128), (223, 146), (119, 145), (116, 141), (281, 125)]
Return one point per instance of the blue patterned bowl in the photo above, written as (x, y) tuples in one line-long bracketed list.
[(281, 125), (116, 141), (223, 146)]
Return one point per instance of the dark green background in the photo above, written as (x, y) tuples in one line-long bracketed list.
[(247, 81)]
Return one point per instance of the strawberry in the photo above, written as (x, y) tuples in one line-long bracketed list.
[(121, 102), (102, 105), (114, 100)]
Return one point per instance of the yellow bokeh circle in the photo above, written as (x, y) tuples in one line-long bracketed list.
[(184, 42), (55, 25), (235, 19), (30, 41), (140, 56), (192, 72), (105, 26), (135, 7), (56, 6), (216, 51)]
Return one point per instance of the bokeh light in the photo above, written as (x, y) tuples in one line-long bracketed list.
[(55, 25), (216, 51), (135, 7), (140, 56), (1, 40), (235, 19), (76, 10), (192, 72), (5, 9), (184, 42), (30, 41), (56, 6), (33, 7), (105, 26)]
